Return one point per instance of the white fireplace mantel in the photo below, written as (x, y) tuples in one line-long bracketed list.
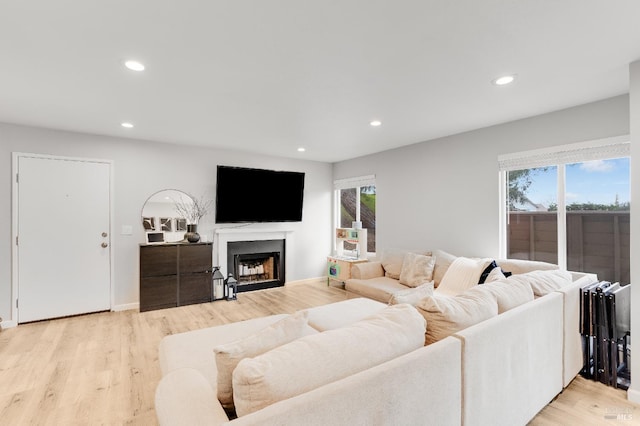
[(222, 236)]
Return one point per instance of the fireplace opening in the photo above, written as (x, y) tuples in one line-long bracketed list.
[(256, 265), (256, 268)]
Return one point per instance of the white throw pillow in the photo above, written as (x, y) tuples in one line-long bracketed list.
[(412, 296), (312, 361), (416, 269), (544, 282), (230, 354), (446, 315), (463, 274)]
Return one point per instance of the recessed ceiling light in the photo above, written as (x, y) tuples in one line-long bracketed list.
[(505, 79), (134, 65), (376, 123), (127, 125), (301, 149)]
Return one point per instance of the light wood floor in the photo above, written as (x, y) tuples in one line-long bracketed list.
[(102, 369)]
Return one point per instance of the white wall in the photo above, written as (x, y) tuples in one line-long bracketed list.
[(444, 193), (634, 94), (141, 168)]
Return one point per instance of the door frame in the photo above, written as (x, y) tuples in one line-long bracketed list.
[(14, 226)]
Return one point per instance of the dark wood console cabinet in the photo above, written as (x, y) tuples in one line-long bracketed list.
[(174, 275)]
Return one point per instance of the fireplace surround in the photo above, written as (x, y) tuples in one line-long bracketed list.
[(256, 265), (224, 239)]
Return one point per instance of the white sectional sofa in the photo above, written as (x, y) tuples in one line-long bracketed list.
[(393, 392), (500, 371)]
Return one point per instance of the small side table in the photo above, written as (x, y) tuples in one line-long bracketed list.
[(339, 268)]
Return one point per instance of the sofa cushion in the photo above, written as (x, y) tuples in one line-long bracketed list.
[(417, 269), (228, 355), (463, 274), (446, 315), (544, 282), (443, 261), (312, 361), (194, 349), (340, 314), (510, 292), (519, 266), (412, 296), (380, 289)]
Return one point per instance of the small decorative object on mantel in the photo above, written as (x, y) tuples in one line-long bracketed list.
[(232, 287), (217, 282), (192, 211)]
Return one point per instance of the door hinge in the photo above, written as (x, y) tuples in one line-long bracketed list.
[(17, 178), (16, 240), (16, 303)]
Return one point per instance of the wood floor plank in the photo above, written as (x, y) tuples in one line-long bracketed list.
[(102, 369)]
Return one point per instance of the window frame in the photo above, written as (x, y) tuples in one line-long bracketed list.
[(560, 156), (350, 183)]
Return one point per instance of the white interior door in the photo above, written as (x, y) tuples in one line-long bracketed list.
[(63, 237)]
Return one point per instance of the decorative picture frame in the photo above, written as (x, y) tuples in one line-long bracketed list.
[(181, 224), (166, 224), (149, 223)]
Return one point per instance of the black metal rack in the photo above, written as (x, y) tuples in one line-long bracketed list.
[(605, 329)]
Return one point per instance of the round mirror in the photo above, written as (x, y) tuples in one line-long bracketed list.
[(161, 218)]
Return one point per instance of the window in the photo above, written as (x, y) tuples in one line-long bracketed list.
[(356, 201), (571, 206)]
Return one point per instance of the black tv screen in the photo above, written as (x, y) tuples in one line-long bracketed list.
[(258, 195)]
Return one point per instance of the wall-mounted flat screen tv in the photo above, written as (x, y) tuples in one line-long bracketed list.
[(258, 195)]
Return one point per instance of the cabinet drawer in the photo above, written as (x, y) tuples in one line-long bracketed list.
[(195, 288), (158, 292), (157, 261), (195, 258)]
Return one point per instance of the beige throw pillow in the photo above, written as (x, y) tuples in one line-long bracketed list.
[(446, 315), (392, 262), (416, 269), (312, 361), (412, 296), (509, 292), (463, 274), (230, 354), (443, 261), (496, 274)]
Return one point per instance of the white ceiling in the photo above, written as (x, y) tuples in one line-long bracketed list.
[(271, 76)]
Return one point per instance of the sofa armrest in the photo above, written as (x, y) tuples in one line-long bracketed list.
[(367, 270), (184, 397)]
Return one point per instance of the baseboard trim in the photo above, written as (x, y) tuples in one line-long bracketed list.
[(307, 281), (126, 307), (633, 395), (8, 324)]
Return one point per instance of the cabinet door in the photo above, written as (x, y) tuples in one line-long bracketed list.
[(156, 261), (195, 258), (158, 292), (195, 288)]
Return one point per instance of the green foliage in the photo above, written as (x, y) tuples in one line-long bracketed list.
[(519, 183), (586, 207), (368, 200)]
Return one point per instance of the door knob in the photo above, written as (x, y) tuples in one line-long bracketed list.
[(104, 234), (104, 245)]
